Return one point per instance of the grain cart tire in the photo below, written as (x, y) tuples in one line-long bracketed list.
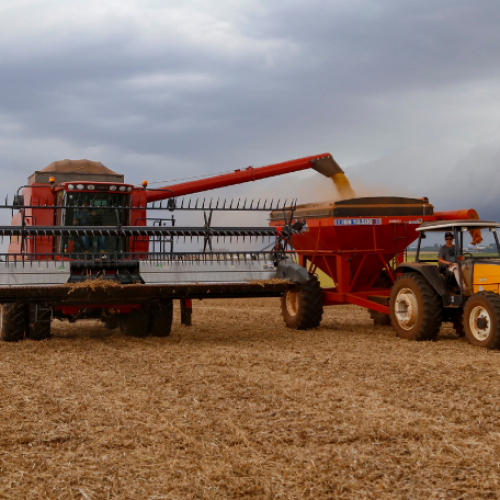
[(482, 320), (303, 310), (39, 322), (12, 322), (380, 319), (137, 322), (416, 309), (161, 318)]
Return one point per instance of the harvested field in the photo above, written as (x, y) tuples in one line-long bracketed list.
[(240, 407)]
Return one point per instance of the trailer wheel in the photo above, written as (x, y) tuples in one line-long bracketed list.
[(161, 318), (482, 320), (415, 307), (12, 322), (136, 323), (380, 319), (303, 310), (39, 322)]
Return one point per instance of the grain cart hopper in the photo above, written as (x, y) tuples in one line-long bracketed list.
[(424, 294), (85, 244), (358, 243)]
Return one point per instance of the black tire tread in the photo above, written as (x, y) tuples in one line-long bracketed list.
[(161, 318), (13, 322), (39, 329), (431, 305), (136, 323), (310, 310)]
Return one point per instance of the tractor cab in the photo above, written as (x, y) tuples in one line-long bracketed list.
[(477, 267)]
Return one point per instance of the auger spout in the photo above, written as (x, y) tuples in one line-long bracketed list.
[(322, 163)]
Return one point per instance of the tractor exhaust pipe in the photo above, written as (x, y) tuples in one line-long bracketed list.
[(330, 168)]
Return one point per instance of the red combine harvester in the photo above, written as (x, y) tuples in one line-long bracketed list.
[(84, 244)]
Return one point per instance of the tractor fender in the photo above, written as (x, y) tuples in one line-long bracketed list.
[(429, 271)]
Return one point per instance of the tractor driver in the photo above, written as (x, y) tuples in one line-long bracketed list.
[(446, 256)]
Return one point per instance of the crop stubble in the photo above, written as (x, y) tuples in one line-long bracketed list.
[(238, 406)]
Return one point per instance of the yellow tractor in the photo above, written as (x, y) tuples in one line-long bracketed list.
[(426, 294)]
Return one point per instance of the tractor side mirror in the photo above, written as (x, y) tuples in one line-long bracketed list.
[(18, 201)]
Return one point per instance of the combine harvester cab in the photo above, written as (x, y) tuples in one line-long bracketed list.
[(84, 244)]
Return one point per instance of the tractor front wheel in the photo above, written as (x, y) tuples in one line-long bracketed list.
[(416, 309), (12, 322), (303, 309), (482, 320)]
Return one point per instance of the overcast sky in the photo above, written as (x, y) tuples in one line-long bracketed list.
[(163, 89)]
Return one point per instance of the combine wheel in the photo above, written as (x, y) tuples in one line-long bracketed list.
[(303, 310), (416, 309), (39, 321), (136, 323), (482, 320), (161, 318), (12, 322), (380, 319)]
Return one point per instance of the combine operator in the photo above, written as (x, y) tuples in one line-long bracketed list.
[(446, 255)]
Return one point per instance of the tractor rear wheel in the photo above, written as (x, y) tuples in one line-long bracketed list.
[(416, 309), (12, 322), (39, 322), (482, 320), (303, 310), (136, 323), (380, 319), (161, 318)]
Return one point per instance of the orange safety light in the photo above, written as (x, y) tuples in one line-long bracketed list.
[(52, 180), (145, 184)]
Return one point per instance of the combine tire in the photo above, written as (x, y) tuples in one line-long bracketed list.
[(161, 318), (416, 309), (136, 323), (111, 322), (380, 319), (12, 322), (482, 320), (303, 310), (39, 320)]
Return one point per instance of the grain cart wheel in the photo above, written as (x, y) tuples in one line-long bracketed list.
[(12, 322), (137, 322), (39, 320), (303, 310), (416, 309), (161, 318), (380, 319), (482, 320)]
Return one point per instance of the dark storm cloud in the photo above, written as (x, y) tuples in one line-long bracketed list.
[(276, 80)]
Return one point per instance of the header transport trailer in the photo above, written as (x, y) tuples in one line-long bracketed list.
[(85, 244)]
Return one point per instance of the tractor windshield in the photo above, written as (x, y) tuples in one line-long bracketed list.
[(93, 209)]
